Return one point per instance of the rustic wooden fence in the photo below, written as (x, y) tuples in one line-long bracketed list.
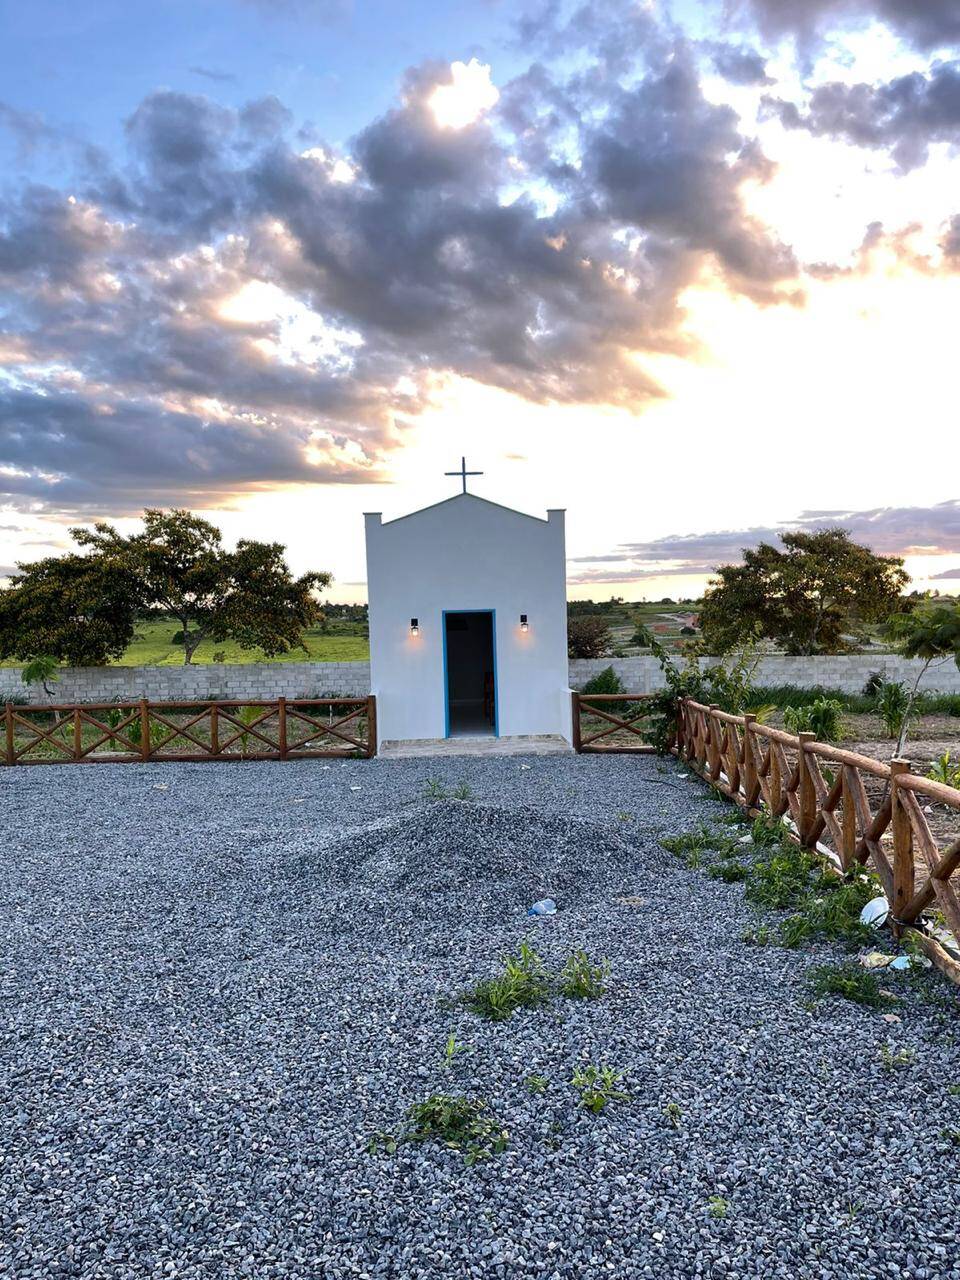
[(126, 732), (610, 723), (848, 807)]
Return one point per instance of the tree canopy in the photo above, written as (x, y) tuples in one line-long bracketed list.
[(82, 608), (807, 597)]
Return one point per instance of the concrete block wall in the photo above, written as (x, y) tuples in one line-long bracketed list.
[(195, 683), (352, 679), (846, 672)]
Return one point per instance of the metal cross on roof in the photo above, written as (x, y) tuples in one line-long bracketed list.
[(463, 473)]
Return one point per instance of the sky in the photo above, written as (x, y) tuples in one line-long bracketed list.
[(689, 270)]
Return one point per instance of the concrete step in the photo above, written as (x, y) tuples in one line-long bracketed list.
[(482, 745)]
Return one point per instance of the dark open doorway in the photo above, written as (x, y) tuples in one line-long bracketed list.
[(470, 672)]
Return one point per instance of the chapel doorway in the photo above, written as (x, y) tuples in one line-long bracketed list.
[(470, 673)]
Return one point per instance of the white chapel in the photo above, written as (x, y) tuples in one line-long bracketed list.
[(468, 622)]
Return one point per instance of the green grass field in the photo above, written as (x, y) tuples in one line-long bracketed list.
[(153, 648)]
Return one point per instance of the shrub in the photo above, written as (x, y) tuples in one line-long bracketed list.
[(605, 681), (823, 718), (873, 684), (892, 704), (587, 637), (944, 770)]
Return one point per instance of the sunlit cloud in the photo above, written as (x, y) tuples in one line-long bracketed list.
[(470, 93)]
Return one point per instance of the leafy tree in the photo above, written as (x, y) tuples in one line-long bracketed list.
[(587, 637), (805, 597), (42, 670), (930, 631), (82, 608), (247, 595), (75, 609)]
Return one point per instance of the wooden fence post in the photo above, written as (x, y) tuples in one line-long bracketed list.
[(144, 730), (808, 793), (681, 729), (282, 726), (371, 725), (749, 772), (11, 753), (713, 743), (575, 700), (903, 869), (77, 734)]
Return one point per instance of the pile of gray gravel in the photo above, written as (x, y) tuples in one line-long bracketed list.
[(217, 981)]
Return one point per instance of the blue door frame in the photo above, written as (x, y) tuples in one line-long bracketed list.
[(446, 676)]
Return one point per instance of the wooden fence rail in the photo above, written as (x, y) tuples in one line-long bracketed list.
[(619, 720), (251, 729), (848, 807)]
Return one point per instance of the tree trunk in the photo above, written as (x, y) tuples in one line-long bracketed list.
[(191, 641)]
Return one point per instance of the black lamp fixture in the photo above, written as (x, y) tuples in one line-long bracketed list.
[(414, 626), (524, 624)]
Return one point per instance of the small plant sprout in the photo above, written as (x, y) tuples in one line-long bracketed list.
[(457, 1122), (433, 789), (452, 1048), (673, 1113), (580, 979), (893, 1059), (537, 1084), (717, 1206), (597, 1087), (759, 936), (461, 792)]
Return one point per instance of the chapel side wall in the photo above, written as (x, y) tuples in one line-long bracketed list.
[(475, 556)]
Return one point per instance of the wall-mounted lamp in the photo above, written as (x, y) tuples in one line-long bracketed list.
[(414, 626), (524, 625)]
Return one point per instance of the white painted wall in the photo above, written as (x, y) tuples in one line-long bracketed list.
[(468, 553)]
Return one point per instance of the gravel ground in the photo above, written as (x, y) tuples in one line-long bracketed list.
[(218, 980)]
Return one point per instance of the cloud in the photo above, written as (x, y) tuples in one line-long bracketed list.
[(927, 24), (904, 116), (896, 531), (208, 73), (739, 65), (223, 309)]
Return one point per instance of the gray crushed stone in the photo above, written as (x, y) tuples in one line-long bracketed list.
[(216, 981)]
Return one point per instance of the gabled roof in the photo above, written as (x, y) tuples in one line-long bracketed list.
[(466, 497)]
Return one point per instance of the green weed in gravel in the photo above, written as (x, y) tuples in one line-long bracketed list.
[(893, 1059), (523, 984), (597, 1087), (728, 872), (850, 981), (780, 879), (537, 1084), (526, 982), (673, 1113), (457, 1122), (580, 979)]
